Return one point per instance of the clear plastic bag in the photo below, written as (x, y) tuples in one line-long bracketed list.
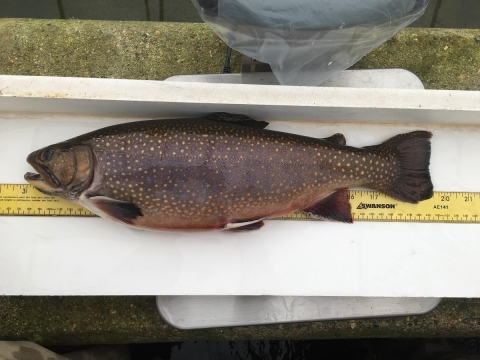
[(308, 41)]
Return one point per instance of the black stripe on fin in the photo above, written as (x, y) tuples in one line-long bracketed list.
[(334, 207), (124, 211), (237, 119), (412, 150)]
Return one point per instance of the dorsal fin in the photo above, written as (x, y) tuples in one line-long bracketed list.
[(237, 119), (337, 139)]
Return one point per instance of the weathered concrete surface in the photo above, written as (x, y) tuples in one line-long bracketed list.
[(133, 50), (97, 320), (443, 59)]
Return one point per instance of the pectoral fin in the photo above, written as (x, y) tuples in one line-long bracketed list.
[(334, 207), (237, 119), (244, 225), (124, 211)]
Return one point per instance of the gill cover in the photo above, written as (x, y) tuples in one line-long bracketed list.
[(63, 170)]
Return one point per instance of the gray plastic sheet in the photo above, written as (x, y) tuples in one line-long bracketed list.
[(307, 42)]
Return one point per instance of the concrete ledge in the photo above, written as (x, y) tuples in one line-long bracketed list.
[(443, 59), (113, 49), (116, 320)]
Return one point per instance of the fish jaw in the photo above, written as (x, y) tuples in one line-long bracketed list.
[(39, 183)]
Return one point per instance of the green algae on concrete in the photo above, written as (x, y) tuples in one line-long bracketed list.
[(441, 58), (111, 49), (134, 319)]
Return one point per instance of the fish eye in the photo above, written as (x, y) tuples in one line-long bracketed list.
[(47, 155)]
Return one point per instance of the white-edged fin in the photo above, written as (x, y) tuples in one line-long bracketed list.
[(335, 207), (119, 210), (247, 225)]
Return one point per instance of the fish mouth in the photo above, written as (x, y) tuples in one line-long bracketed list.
[(38, 183), (44, 179), (32, 177)]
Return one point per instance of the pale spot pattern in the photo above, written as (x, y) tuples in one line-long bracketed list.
[(206, 173)]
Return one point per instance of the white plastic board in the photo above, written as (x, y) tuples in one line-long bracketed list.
[(90, 256)]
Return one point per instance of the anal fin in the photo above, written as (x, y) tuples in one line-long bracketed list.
[(334, 207), (124, 211)]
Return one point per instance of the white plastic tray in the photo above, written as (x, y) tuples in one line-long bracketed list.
[(90, 256)]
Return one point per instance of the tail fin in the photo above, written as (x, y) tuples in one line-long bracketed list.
[(412, 150)]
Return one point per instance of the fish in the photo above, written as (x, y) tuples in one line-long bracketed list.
[(224, 172)]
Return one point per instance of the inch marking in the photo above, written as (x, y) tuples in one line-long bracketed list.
[(24, 200), (367, 205), (443, 207)]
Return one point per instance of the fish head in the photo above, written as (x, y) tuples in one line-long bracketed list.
[(64, 169)]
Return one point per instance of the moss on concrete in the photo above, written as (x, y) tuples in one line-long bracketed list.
[(97, 320), (441, 58), (112, 49)]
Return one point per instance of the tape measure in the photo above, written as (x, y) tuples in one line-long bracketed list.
[(367, 205), (25, 200)]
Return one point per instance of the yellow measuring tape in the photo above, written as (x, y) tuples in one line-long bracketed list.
[(25, 200), (443, 207)]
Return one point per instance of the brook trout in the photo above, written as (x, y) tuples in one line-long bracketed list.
[(224, 171)]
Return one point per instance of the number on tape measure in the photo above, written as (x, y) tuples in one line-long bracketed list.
[(367, 205), (25, 200), (443, 207)]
